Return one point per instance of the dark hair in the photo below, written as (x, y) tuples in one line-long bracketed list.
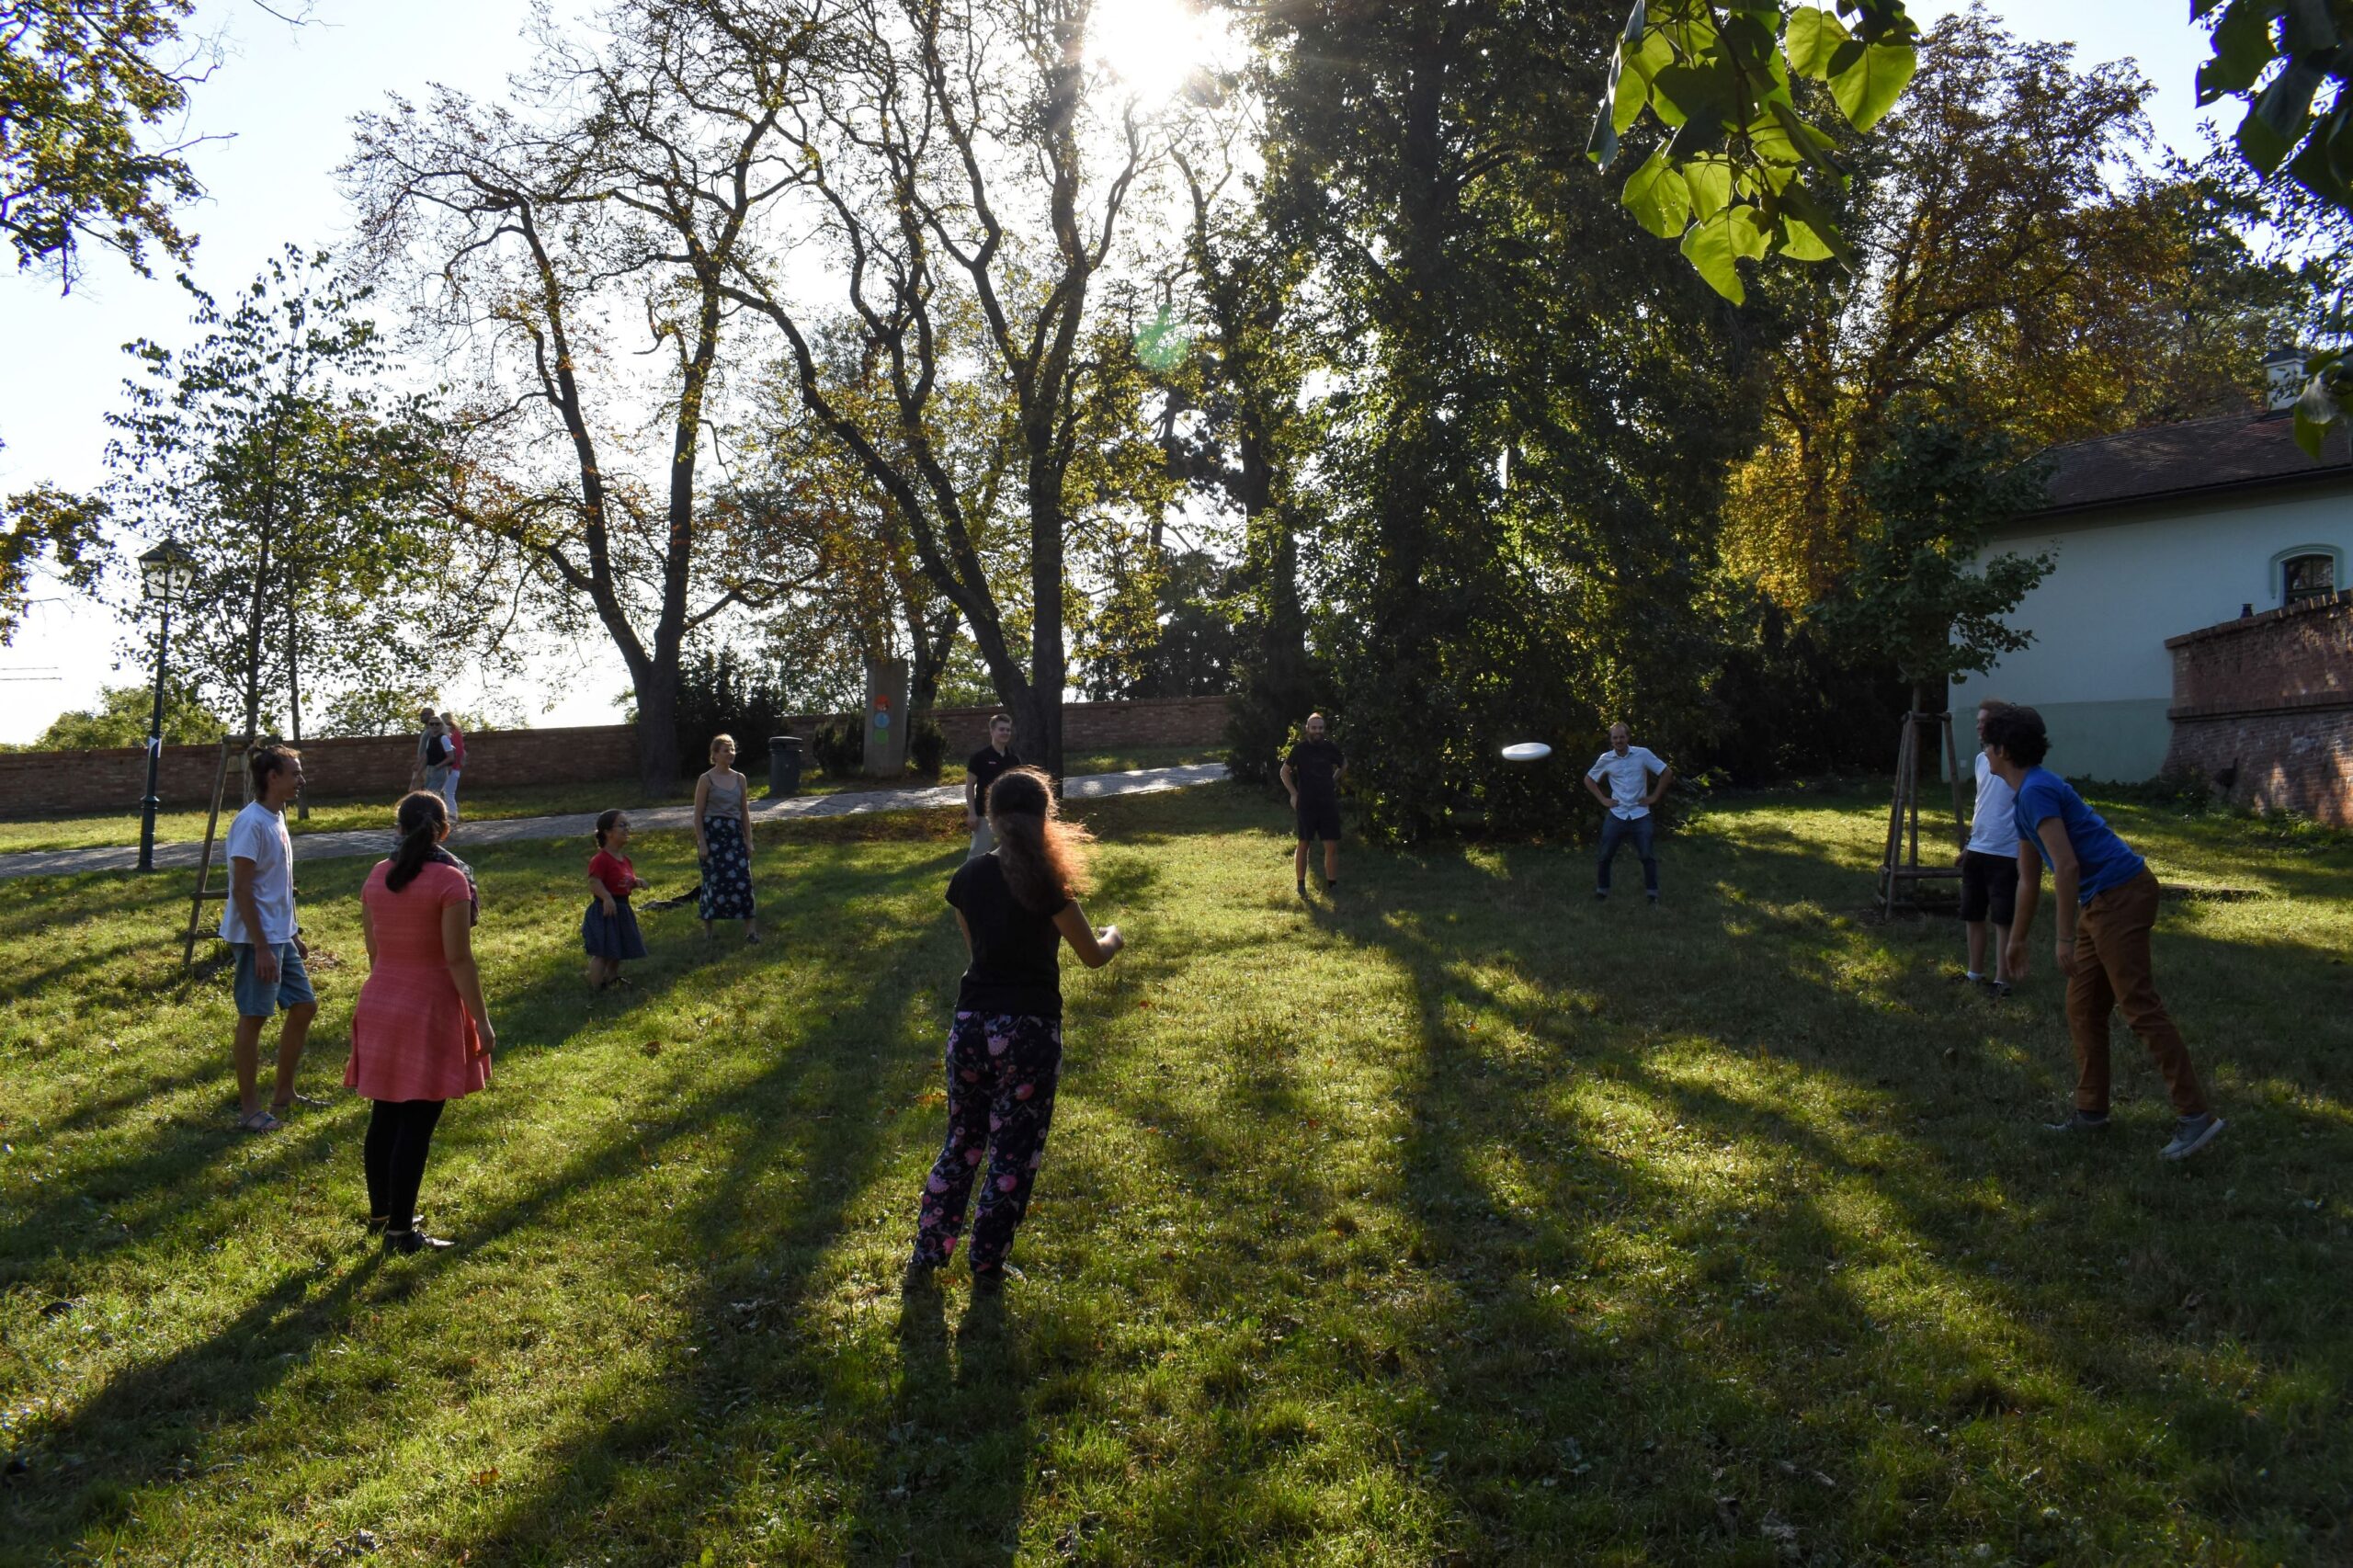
[(1044, 858), (418, 819), (2019, 734), (266, 760), (605, 820)]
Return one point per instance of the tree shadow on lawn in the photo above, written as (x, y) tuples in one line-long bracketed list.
[(1946, 1344)]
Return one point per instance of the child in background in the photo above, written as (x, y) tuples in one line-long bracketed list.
[(607, 928)]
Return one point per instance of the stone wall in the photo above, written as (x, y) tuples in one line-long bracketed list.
[(2263, 708), (44, 783)]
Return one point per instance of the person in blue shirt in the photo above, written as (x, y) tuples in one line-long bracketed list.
[(2107, 904)]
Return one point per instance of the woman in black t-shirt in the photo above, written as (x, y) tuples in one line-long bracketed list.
[(1004, 1046)]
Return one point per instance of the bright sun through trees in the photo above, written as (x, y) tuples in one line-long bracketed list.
[(1151, 46)]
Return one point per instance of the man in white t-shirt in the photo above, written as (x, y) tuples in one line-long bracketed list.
[(1989, 866), (1636, 780), (259, 927)]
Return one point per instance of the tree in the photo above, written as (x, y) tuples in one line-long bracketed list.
[(269, 450), (2000, 270), (1529, 416), (123, 713), (1923, 593), (634, 186), (968, 174), (68, 530)]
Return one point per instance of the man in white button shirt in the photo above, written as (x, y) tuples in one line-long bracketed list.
[(1989, 866), (259, 927), (1630, 793)]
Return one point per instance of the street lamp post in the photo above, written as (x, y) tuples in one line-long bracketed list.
[(165, 573)]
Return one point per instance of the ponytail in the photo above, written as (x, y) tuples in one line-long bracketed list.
[(1043, 856), (605, 821), (418, 819)]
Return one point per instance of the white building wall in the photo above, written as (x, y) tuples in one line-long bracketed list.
[(2125, 579)]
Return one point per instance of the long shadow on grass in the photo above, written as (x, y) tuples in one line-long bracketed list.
[(1616, 1224)]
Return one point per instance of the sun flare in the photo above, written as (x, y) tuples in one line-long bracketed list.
[(1153, 47)]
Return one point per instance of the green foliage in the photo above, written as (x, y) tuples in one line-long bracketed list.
[(271, 451), (2277, 57), (84, 83), (722, 693), (926, 748), (1164, 627), (47, 524), (124, 713), (838, 747), (1740, 173), (1923, 597)]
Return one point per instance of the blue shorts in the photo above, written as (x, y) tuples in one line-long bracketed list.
[(255, 1000)]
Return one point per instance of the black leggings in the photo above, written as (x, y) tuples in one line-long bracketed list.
[(399, 1133)]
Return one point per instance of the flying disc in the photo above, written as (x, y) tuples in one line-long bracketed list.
[(1527, 751)]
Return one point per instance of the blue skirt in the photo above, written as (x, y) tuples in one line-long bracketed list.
[(726, 871), (613, 935)]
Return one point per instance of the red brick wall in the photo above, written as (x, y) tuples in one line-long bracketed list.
[(40, 783), (2263, 708)]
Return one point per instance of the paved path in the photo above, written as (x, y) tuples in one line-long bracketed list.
[(517, 830)]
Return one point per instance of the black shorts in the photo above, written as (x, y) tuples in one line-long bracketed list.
[(1989, 887), (1318, 819)]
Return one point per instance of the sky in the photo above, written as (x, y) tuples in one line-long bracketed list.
[(281, 105)]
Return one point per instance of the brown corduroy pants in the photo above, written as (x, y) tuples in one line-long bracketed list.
[(2112, 972)]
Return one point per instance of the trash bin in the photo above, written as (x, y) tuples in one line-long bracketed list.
[(784, 766)]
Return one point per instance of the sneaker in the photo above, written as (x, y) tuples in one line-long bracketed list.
[(1331, 884), (259, 1121), (405, 1242), (1653, 897), (991, 1282), (1601, 895), (1965, 977), (1302, 889), (2190, 1134), (2078, 1121), (1997, 988)]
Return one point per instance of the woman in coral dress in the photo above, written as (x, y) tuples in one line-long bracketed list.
[(420, 1036)]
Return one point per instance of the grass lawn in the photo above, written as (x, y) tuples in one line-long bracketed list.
[(104, 829), (1454, 1221)]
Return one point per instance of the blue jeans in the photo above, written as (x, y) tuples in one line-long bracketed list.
[(1615, 830)]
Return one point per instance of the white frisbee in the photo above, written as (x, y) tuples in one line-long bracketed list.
[(1527, 751)]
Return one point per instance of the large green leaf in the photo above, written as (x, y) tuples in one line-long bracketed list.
[(1867, 88), (1709, 181), (1811, 144), (2241, 49), (2281, 115), (1711, 247), (1796, 202), (1705, 90), (1800, 241), (1657, 197), (1810, 37)]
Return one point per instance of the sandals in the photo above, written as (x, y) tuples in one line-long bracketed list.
[(259, 1121)]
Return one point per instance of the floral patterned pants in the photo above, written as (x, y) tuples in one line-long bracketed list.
[(1001, 1073)]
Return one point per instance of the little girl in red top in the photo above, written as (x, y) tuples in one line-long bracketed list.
[(609, 930)]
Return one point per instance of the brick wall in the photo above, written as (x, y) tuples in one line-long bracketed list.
[(41, 783), (2263, 708)]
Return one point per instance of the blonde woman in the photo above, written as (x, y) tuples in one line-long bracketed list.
[(724, 841)]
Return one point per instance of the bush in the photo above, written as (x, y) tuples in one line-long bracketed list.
[(839, 747), (721, 694), (926, 748)]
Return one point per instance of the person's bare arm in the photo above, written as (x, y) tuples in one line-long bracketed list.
[(240, 893), (1094, 949), (1593, 787), (604, 895), (1289, 784), (744, 811), (457, 948), (1666, 777), (2066, 886), (2030, 893), (971, 801), (965, 926), (703, 793)]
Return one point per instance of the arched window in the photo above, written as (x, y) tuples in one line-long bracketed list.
[(2307, 575)]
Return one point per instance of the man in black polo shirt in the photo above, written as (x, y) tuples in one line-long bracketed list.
[(981, 772), (1312, 773)]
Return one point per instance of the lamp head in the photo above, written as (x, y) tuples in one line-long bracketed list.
[(166, 573)]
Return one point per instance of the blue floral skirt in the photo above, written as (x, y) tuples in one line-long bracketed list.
[(726, 870), (613, 935)]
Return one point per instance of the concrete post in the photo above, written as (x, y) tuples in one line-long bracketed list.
[(886, 718)]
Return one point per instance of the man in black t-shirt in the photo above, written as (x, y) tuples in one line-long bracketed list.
[(979, 772), (1312, 773)]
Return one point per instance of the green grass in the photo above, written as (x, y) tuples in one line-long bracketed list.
[(1465, 1222), (109, 829)]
